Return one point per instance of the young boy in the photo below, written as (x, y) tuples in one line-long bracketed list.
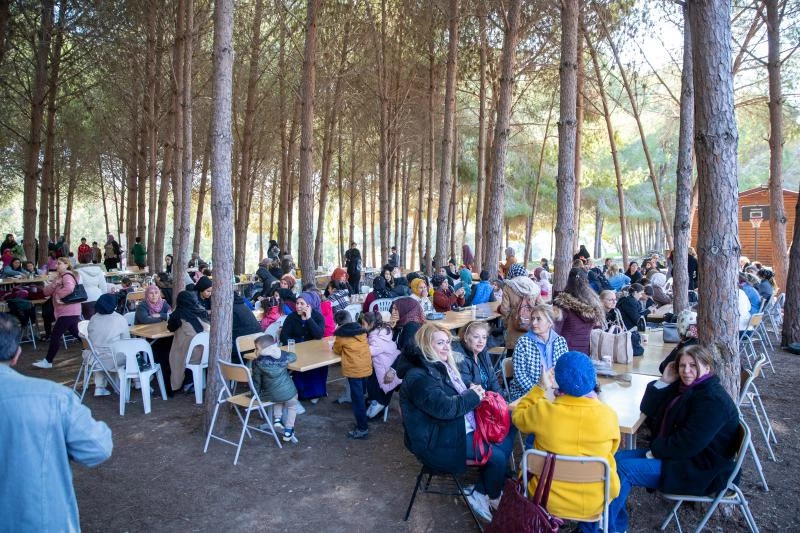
[(273, 383), (126, 286), (352, 346)]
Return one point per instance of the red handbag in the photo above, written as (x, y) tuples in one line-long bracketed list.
[(518, 514)]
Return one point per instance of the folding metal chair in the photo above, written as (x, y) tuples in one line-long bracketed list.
[(90, 364), (249, 401), (730, 494), (573, 470), (749, 397)]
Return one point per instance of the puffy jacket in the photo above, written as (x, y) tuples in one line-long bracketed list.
[(577, 322), (384, 352), (58, 289), (433, 414), (352, 346), (513, 291), (94, 281), (271, 378), (479, 372), (444, 299), (482, 293)]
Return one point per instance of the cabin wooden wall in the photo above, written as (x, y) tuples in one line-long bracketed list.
[(747, 235)]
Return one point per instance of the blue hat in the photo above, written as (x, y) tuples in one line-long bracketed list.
[(575, 374), (106, 304)]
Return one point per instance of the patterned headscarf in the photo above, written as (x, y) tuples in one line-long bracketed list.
[(156, 307), (516, 270), (409, 310)]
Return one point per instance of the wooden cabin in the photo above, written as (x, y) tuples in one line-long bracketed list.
[(748, 202)]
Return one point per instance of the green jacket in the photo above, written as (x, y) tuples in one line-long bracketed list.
[(271, 378), (139, 252)]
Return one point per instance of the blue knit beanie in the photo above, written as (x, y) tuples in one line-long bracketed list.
[(575, 374)]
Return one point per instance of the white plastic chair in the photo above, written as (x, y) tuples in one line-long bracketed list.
[(91, 364), (249, 401), (383, 304), (131, 370), (730, 494), (130, 316), (574, 470), (201, 339)]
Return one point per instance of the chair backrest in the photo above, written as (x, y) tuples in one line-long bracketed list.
[(232, 372), (200, 339), (766, 304), (507, 369), (755, 320), (383, 304), (246, 344), (131, 347), (83, 329), (273, 330), (740, 445), (747, 377), (780, 301), (130, 316)]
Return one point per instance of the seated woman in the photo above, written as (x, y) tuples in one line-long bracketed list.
[(387, 273), (304, 324), (616, 278), (438, 417), (517, 288), (105, 328), (473, 359), (444, 298), (482, 292), (187, 320), (581, 311), (271, 306), (153, 309), (13, 269), (633, 272), (204, 289), (339, 275), (659, 283), (766, 287), (406, 318), (575, 423), (419, 291), (380, 289), (466, 284), (264, 275), (609, 301), (751, 292), (630, 309), (692, 450), (243, 322), (540, 347), (287, 294)]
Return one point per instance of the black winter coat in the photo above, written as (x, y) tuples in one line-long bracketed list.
[(244, 323), (698, 449), (266, 277), (301, 330), (630, 309), (471, 371), (433, 415)]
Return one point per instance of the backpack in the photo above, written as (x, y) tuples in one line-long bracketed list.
[(493, 422), (515, 320)]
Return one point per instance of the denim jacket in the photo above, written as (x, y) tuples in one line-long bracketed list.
[(42, 426)]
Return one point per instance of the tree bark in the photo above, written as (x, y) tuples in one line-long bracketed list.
[(305, 208), (34, 142), (132, 188), (502, 130), (791, 310), (683, 187), (420, 206), (103, 191), (481, 175), (282, 118), (579, 92), (614, 155), (777, 219), (72, 184), (565, 182), (221, 197), (445, 181), (539, 170), (153, 84), (431, 131), (201, 200), (716, 139)]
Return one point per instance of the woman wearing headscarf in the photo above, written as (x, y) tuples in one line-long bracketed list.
[(379, 290), (204, 288), (466, 284), (273, 252), (265, 276), (581, 311), (407, 317), (187, 320), (304, 324), (105, 328), (243, 322), (444, 298), (467, 258), (518, 287), (660, 294), (419, 292), (153, 309)]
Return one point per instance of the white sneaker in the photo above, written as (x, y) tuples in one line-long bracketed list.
[(101, 391), (43, 363), (374, 409), (300, 409), (480, 504)]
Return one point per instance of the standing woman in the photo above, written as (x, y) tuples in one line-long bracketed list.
[(581, 311), (352, 259), (304, 324), (168, 264), (67, 315)]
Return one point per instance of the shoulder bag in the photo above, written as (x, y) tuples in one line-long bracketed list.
[(521, 515), (77, 295), (616, 343)]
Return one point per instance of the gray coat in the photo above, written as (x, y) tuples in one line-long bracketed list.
[(271, 378)]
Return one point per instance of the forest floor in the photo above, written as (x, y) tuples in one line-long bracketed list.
[(159, 479)]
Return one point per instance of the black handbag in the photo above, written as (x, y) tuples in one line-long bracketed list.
[(77, 295)]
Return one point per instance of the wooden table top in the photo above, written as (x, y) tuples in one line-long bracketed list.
[(648, 363), (459, 319), (23, 280), (310, 355), (151, 331)]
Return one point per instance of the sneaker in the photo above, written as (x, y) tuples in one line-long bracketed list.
[(300, 409), (358, 434), (188, 388), (101, 391), (345, 398), (314, 401), (375, 409), (277, 424), (288, 434), (480, 504), (43, 363)]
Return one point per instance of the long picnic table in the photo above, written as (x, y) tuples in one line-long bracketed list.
[(459, 319)]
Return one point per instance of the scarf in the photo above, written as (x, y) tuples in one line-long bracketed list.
[(155, 308), (312, 299), (662, 432), (466, 282), (409, 310), (458, 384), (188, 308)]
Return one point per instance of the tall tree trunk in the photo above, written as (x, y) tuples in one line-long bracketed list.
[(481, 175), (405, 206), (33, 144), (565, 185), (364, 217), (539, 170), (453, 200), (283, 240), (716, 139), (246, 174), (791, 310), (178, 262), (777, 218), (221, 196), (153, 84), (132, 187), (445, 183), (683, 187), (201, 200), (103, 191), (420, 206), (340, 195), (293, 177), (373, 205), (352, 228), (502, 129), (305, 208), (614, 154), (598, 231), (579, 92), (72, 184), (637, 116), (431, 131)]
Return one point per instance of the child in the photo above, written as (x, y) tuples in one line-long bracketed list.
[(351, 345), (126, 287), (273, 383), (383, 381)]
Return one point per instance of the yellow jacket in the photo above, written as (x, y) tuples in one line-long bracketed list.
[(353, 348), (571, 426)]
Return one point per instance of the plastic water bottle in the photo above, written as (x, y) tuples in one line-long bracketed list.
[(290, 345)]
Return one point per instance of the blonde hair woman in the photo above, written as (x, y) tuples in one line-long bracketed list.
[(438, 417), (67, 314), (540, 347)]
